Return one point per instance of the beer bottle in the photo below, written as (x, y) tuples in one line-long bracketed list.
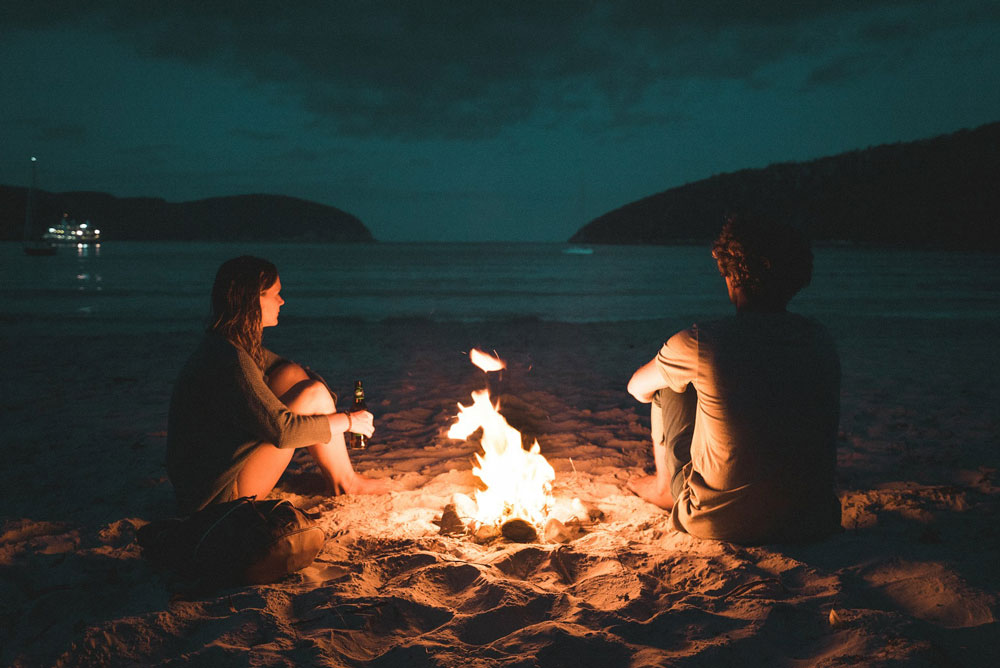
[(358, 441)]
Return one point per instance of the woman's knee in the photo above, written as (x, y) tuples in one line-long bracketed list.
[(311, 397), (283, 378)]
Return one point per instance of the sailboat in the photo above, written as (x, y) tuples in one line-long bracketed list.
[(33, 245)]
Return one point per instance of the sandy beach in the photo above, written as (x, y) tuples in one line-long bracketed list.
[(911, 581)]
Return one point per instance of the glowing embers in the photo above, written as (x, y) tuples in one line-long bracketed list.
[(518, 481)]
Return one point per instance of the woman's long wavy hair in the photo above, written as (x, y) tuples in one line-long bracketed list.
[(236, 302)]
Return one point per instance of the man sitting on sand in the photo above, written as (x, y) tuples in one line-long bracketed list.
[(745, 409)]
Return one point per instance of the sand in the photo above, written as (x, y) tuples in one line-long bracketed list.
[(912, 580)]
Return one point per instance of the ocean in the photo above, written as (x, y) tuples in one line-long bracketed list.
[(145, 285)]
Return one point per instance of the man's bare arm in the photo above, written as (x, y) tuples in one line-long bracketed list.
[(646, 381)]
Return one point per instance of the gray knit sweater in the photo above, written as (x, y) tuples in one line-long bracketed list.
[(220, 410)]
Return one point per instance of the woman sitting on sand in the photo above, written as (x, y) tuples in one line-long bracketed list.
[(238, 411)]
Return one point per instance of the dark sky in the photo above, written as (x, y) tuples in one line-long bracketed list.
[(460, 120)]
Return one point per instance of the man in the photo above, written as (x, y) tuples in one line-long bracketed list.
[(745, 409)]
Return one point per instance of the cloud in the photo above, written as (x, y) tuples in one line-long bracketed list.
[(158, 154), (837, 69), (256, 135), (469, 69), (48, 132), (296, 154)]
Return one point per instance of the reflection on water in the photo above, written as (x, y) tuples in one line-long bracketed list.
[(88, 250), (88, 277), (87, 281)]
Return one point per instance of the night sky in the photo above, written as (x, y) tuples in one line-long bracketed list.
[(461, 120)]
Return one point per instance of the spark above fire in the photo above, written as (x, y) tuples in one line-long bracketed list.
[(485, 361)]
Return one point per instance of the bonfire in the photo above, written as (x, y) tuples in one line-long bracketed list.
[(516, 497)]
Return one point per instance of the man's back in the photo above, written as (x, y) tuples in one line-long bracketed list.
[(763, 452)]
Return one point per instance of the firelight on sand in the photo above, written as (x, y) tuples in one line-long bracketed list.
[(518, 481)]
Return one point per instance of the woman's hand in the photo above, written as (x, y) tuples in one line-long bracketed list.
[(360, 422)]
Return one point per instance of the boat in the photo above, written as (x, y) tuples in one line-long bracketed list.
[(33, 245), (69, 231)]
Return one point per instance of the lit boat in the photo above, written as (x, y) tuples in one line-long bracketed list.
[(68, 231)]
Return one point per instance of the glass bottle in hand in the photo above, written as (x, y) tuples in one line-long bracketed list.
[(357, 441)]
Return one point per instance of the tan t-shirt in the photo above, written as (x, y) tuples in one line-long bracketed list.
[(763, 452)]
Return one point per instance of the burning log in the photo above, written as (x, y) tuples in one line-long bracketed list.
[(518, 530), (457, 520), (450, 522)]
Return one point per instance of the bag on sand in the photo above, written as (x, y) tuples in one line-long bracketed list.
[(239, 542)]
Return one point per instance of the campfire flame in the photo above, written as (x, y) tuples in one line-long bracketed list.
[(485, 361), (518, 481)]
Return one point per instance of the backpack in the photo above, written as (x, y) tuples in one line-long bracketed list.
[(245, 541)]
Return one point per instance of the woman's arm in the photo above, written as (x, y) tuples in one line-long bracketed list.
[(255, 408), (272, 361)]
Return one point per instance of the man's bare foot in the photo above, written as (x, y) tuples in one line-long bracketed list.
[(360, 484), (648, 487)]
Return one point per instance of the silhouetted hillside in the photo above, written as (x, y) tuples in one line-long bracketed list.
[(942, 192), (240, 218)]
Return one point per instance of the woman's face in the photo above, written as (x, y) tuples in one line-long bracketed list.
[(270, 304)]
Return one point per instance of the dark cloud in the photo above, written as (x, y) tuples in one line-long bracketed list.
[(149, 153), (63, 134), (887, 41), (886, 30), (838, 69), (468, 69), (296, 155), (255, 135)]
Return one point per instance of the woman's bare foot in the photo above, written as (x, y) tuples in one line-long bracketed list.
[(359, 484), (648, 487)]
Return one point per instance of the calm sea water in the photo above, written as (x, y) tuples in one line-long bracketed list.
[(166, 284)]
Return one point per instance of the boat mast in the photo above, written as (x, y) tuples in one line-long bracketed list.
[(29, 211)]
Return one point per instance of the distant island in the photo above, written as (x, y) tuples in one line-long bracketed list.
[(942, 192), (238, 218)]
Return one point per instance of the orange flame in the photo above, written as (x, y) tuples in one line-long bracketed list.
[(518, 481), (485, 361)]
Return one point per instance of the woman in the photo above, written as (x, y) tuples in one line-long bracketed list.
[(238, 411)]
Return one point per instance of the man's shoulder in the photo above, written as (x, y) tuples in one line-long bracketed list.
[(788, 320), (782, 325), (785, 328), (710, 326), (701, 328)]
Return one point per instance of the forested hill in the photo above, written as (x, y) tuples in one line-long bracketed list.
[(239, 218), (942, 192)]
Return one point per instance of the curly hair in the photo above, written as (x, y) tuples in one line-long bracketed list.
[(770, 261), (236, 292)]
